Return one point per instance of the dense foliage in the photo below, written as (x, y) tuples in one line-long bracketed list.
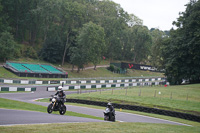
[(181, 52), (53, 30), (84, 31)]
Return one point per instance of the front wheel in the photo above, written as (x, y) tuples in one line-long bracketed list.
[(62, 110), (49, 108)]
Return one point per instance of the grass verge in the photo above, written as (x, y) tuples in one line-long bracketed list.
[(183, 98), (99, 128)]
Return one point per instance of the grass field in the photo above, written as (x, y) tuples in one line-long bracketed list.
[(100, 128), (183, 98)]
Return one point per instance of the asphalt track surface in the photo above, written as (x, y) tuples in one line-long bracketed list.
[(14, 117)]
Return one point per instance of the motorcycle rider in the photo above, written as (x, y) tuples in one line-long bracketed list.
[(61, 95), (112, 110)]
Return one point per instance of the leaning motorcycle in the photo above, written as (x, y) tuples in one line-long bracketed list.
[(55, 106), (108, 116)]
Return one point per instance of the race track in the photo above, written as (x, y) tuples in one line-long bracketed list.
[(18, 117), (13, 116)]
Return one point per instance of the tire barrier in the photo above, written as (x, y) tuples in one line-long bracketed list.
[(117, 85), (141, 109), (85, 81), (16, 89)]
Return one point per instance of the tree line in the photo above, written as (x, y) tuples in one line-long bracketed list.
[(53, 30), (83, 31)]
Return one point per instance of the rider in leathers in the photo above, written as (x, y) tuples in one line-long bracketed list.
[(61, 95), (112, 110)]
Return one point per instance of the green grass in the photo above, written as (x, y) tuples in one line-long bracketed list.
[(6, 74), (100, 128), (184, 98), (103, 72), (29, 60), (11, 104)]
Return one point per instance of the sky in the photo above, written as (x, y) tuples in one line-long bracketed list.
[(155, 13)]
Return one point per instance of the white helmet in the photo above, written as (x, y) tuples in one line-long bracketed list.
[(109, 104), (59, 88)]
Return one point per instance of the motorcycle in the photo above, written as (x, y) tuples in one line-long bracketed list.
[(108, 116), (55, 106)]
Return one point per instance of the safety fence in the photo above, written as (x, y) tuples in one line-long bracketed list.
[(108, 85), (85, 81), (17, 89), (141, 109)]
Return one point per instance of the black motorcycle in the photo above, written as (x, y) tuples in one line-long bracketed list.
[(56, 106), (108, 115)]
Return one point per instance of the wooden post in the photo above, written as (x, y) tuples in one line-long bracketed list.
[(139, 92), (155, 93), (171, 96), (112, 91)]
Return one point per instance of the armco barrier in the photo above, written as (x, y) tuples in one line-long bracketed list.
[(17, 89), (85, 81), (91, 86), (141, 109)]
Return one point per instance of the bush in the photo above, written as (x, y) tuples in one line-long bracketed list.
[(118, 70), (112, 68), (7, 46)]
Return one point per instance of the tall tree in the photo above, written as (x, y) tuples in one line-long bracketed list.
[(114, 20), (182, 54), (73, 18), (142, 42), (8, 47), (53, 46), (92, 39), (158, 38)]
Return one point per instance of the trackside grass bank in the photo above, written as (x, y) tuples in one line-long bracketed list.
[(108, 127), (183, 98), (11, 104)]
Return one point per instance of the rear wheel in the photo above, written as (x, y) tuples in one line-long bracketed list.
[(63, 110), (113, 118), (106, 118), (49, 108)]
